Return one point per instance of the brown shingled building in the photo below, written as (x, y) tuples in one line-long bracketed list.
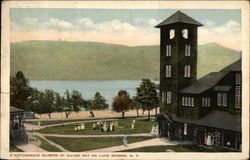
[(206, 111)]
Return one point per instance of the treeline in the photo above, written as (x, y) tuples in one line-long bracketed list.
[(46, 102)]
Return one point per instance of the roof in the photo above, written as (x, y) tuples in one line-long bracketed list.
[(236, 66), (216, 119), (178, 17), (204, 83), (14, 109), (222, 88)]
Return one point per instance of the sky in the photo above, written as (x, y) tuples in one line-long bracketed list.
[(132, 27)]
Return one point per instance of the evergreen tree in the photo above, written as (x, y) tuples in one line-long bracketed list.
[(20, 91), (147, 95), (98, 102)]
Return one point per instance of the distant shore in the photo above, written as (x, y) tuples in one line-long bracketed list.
[(98, 114)]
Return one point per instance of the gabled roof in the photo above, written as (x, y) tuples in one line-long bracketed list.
[(216, 119), (204, 83), (236, 66), (14, 109), (178, 17), (210, 80)]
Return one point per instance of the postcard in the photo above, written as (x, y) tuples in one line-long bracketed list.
[(125, 80)]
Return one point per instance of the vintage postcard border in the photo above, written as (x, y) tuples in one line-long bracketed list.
[(5, 69)]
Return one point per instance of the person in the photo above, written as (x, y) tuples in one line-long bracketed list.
[(94, 126), (125, 141)]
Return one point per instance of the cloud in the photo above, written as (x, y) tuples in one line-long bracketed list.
[(59, 23), (30, 20), (119, 32), (209, 23), (148, 22), (227, 35)]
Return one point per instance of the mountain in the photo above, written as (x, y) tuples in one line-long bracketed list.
[(62, 60)]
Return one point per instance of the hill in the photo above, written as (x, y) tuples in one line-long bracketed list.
[(61, 60)]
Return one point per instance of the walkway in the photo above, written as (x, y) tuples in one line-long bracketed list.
[(30, 127), (30, 148), (84, 136), (151, 142)]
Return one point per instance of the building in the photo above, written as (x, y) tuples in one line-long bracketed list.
[(17, 130), (206, 111)]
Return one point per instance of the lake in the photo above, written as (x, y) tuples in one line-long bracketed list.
[(108, 89)]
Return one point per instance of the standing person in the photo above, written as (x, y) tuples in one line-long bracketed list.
[(125, 141)]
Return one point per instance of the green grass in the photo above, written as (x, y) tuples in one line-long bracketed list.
[(178, 148), (14, 148), (85, 144), (43, 123), (141, 126), (48, 147)]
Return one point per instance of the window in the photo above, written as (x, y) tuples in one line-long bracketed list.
[(168, 50), (219, 97), (163, 95), (187, 49), (206, 102), (168, 70), (238, 93), (168, 97), (185, 33), (187, 101), (187, 70), (222, 99), (238, 78), (171, 34)]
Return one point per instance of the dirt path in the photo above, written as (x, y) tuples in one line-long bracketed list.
[(84, 136), (151, 142)]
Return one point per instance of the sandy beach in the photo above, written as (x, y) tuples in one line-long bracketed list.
[(98, 114)]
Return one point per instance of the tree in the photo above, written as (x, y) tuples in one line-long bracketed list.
[(147, 95), (46, 102), (98, 102), (136, 105), (20, 91), (71, 103), (122, 102)]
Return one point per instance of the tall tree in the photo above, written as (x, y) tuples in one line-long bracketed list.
[(147, 95), (136, 105), (47, 102), (98, 102), (122, 102), (72, 102), (20, 91)]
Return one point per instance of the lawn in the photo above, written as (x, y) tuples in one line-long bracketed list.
[(124, 126), (14, 149), (85, 144), (177, 148), (48, 147), (43, 123)]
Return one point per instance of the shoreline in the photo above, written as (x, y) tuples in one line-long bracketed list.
[(98, 114)]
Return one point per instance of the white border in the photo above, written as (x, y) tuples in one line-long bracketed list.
[(5, 65)]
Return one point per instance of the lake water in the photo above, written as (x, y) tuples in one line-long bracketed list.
[(108, 89)]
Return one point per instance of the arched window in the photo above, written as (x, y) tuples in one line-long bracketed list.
[(171, 33), (185, 33)]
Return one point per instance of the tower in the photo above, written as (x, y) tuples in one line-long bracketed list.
[(178, 58)]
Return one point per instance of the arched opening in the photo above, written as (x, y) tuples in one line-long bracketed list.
[(171, 33), (185, 33)]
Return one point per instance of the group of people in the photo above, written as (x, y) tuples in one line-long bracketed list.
[(80, 126), (105, 126)]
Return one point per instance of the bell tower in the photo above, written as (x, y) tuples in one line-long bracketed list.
[(178, 58)]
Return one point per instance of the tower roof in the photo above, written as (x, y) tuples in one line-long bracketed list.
[(178, 17)]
